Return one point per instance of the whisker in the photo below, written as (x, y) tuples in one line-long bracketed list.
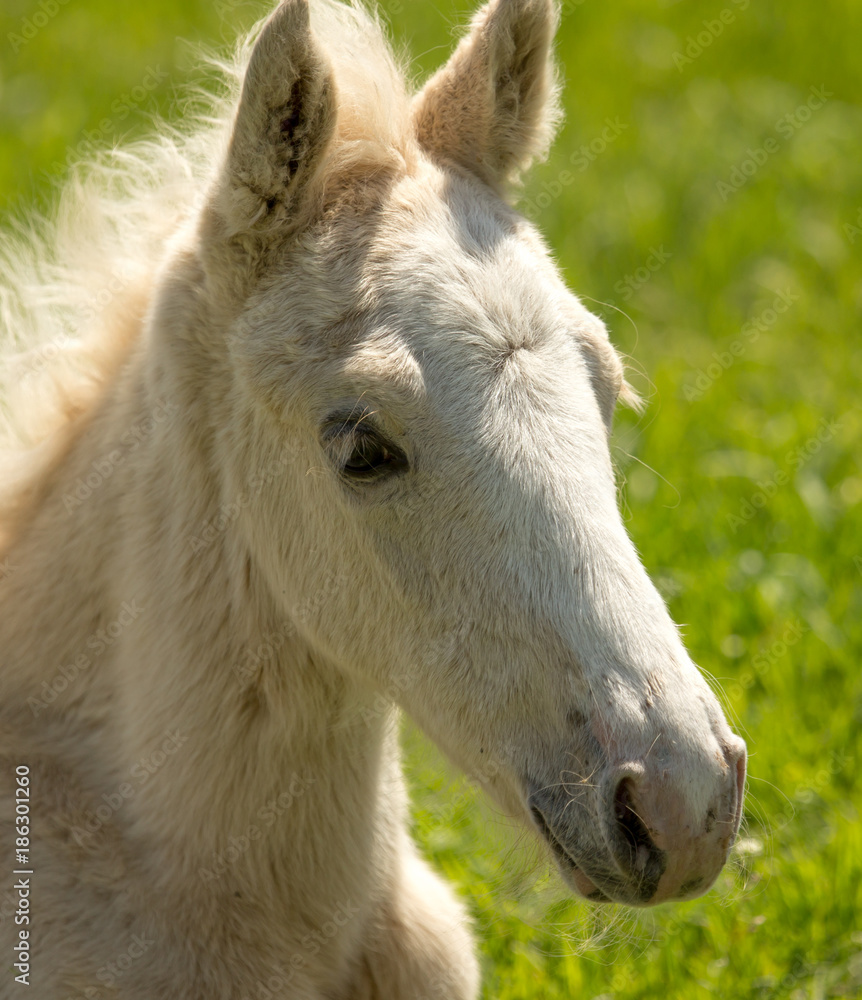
[(646, 465)]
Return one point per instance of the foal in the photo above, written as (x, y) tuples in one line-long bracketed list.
[(335, 445)]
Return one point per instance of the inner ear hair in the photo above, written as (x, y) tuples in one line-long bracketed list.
[(494, 107), (283, 125)]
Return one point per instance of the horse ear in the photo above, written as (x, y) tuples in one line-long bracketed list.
[(285, 119), (493, 107)]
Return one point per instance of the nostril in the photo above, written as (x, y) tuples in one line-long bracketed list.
[(740, 789), (735, 753), (639, 860), (633, 829)]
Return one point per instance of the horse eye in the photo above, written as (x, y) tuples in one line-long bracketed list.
[(370, 457)]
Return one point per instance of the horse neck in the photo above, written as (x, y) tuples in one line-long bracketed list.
[(182, 686)]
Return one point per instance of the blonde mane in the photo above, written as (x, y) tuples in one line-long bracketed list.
[(76, 285)]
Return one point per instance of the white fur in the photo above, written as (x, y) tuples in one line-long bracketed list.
[(221, 780)]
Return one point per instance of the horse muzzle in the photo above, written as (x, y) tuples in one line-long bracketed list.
[(645, 832)]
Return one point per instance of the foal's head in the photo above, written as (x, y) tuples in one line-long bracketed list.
[(400, 336)]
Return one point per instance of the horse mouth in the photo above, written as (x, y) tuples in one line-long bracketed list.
[(572, 872)]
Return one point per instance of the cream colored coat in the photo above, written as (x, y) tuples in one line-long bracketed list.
[(323, 435)]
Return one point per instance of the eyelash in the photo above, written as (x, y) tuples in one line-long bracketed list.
[(363, 454)]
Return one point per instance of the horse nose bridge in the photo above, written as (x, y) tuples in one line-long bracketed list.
[(610, 621)]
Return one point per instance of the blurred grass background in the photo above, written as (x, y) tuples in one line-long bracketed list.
[(705, 197)]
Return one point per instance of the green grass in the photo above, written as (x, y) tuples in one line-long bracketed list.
[(755, 544)]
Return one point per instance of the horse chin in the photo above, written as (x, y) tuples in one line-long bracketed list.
[(633, 838), (573, 875), (581, 883)]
